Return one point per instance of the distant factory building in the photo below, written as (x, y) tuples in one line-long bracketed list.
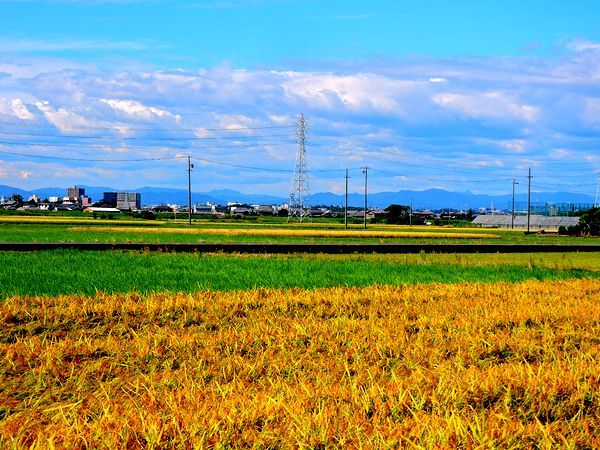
[(123, 200)]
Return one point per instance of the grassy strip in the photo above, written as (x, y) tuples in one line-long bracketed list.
[(470, 365), (300, 233), (156, 232), (81, 272)]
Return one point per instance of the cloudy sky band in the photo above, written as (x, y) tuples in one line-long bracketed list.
[(377, 88)]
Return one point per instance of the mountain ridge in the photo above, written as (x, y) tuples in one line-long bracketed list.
[(429, 199)]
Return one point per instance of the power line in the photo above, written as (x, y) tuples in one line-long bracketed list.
[(91, 159), (107, 128), (101, 146), (240, 166), (129, 138), (165, 158)]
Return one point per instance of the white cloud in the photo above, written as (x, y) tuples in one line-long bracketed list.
[(234, 122), (515, 145), (66, 120), (15, 107), (561, 153), (493, 104), (281, 119), (358, 93), (487, 163), (139, 110), (582, 45)]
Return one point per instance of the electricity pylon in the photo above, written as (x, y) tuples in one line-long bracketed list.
[(300, 192)]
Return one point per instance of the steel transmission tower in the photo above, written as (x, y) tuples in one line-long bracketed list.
[(300, 190)]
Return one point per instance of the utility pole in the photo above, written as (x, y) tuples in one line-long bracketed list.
[(528, 199), (597, 199), (346, 207), (189, 171), (512, 220), (365, 171), (410, 214)]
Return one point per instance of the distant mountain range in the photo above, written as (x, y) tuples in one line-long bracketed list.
[(430, 199)]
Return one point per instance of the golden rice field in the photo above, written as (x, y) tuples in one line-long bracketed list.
[(57, 220), (470, 365), (300, 232)]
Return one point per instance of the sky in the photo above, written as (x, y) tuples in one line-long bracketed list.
[(462, 95)]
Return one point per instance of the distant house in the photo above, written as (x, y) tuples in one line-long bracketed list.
[(162, 209), (220, 209), (204, 209), (536, 222), (320, 212), (29, 204), (241, 210), (65, 206), (264, 210), (10, 204)]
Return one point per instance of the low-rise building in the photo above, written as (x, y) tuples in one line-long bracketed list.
[(536, 222)]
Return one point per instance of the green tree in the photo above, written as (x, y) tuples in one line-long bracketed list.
[(397, 214), (17, 198), (590, 222), (589, 225)]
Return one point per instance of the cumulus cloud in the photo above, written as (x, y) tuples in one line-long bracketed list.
[(492, 104), (475, 116), (360, 92), (64, 119), (15, 108), (138, 110)]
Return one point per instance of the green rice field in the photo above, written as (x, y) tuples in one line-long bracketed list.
[(87, 272)]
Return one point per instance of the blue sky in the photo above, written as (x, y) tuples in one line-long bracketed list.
[(461, 95)]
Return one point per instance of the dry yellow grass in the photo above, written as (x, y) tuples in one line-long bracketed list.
[(467, 365), (41, 220), (294, 232)]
